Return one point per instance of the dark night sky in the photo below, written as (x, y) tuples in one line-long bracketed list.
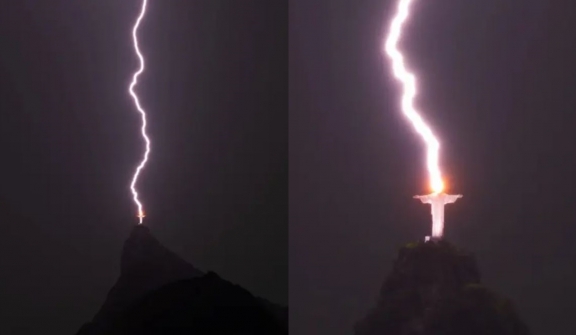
[(216, 187), (497, 83)]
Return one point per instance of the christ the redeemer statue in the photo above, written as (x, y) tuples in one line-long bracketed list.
[(437, 202)]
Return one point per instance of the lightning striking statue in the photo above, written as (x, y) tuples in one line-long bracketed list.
[(437, 199)]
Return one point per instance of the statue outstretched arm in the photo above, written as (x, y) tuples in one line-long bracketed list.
[(449, 199), (426, 199)]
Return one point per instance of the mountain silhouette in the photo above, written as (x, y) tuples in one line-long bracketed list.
[(435, 289), (160, 293)]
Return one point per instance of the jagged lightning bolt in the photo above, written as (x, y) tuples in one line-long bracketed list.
[(140, 110), (408, 81)]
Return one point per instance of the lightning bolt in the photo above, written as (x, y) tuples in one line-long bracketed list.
[(408, 81), (140, 110)]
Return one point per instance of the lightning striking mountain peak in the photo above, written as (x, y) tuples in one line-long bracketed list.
[(141, 110)]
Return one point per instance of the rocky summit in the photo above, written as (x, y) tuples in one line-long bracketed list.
[(435, 289), (160, 293)]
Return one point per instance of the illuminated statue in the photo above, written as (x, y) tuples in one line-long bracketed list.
[(437, 202)]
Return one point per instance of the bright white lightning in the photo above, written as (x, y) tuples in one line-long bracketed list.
[(140, 110), (408, 81)]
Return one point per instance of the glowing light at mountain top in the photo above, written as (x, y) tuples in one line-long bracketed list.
[(408, 81), (140, 110)]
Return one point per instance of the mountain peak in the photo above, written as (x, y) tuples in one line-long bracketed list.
[(160, 293), (145, 265), (437, 264), (435, 288), (144, 256)]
